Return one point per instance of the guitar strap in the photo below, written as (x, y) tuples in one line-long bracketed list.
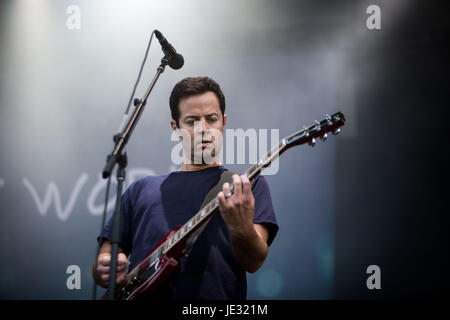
[(226, 176)]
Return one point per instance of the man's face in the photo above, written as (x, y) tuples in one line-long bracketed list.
[(201, 124)]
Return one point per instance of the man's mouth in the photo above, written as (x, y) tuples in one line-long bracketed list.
[(205, 143)]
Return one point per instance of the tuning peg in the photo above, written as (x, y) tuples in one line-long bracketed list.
[(328, 118), (337, 131), (306, 131), (317, 127), (312, 142), (324, 137)]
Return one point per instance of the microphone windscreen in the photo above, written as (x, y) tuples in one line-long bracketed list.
[(176, 61)]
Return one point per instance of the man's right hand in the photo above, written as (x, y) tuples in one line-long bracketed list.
[(103, 265)]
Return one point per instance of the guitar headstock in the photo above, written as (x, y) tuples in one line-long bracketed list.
[(317, 130)]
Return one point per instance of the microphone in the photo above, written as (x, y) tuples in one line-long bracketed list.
[(176, 60)]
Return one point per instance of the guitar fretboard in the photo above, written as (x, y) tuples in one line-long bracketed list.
[(307, 134)]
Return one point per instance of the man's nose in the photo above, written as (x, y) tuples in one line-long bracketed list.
[(202, 126)]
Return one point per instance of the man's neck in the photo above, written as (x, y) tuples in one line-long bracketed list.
[(195, 167)]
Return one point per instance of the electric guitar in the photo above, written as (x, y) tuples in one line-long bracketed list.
[(159, 263)]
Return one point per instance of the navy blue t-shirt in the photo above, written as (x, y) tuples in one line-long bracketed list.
[(153, 205)]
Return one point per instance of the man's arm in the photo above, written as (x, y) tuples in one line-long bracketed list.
[(100, 267), (251, 250), (249, 240)]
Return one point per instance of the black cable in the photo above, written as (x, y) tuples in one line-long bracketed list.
[(105, 209), (140, 73)]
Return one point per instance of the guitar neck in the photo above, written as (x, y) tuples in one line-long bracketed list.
[(306, 135)]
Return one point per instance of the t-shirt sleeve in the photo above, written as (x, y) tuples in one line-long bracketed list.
[(125, 224), (264, 212)]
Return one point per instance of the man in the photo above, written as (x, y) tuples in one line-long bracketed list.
[(235, 240)]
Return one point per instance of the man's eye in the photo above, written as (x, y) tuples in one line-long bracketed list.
[(212, 119)]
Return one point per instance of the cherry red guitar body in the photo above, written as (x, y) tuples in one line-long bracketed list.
[(149, 275)]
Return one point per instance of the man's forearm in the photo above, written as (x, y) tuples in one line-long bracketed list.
[(250, 249)]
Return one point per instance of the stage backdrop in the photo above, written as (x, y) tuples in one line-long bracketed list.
[(67, 72)]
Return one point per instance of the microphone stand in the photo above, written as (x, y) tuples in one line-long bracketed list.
[(115, 232), (118, 156)]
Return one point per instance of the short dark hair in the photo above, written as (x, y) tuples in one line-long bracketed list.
[(192, 86)]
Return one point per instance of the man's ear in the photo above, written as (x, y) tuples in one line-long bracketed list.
[(173, 124), (224, 121)]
